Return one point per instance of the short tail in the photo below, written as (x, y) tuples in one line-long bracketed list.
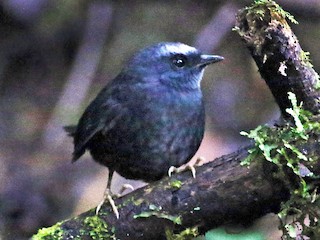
[(71, 130)]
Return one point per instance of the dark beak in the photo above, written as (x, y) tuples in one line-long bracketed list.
[(209, 59)]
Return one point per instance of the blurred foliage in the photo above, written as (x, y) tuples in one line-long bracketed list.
[(221, 234)]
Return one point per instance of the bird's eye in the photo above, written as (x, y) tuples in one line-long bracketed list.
[(179, 60)]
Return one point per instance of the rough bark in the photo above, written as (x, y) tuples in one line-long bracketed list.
[(276, 50), (223, 192)]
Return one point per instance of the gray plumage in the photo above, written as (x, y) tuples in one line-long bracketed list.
[(150, 117)]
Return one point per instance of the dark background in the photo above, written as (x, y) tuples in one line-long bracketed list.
[(56, 55)]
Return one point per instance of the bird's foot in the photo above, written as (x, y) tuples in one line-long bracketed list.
[(108, 197), (123, 188), (191, 167)]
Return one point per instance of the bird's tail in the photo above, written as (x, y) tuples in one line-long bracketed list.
[(71, 130)]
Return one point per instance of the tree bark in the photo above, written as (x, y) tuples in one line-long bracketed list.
[(276, 50), (223, 191)]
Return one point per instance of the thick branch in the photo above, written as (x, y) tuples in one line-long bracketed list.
[(279, 57), (223, 192)]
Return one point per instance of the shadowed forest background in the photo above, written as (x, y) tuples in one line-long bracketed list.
[(56, 55)]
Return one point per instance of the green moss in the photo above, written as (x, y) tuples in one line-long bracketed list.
[(96, 228), (276, 145), (189, 233), (258, 7), (177, 184), (51, 233), (126, 202), (317, 83), (158, 212), (254, 21), (305, 59), (138, 202)]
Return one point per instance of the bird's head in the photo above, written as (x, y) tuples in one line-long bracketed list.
[(170, 63)]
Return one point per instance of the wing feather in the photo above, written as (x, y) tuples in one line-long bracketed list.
[(100, 116)]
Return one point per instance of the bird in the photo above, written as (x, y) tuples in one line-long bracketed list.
[(149, 118)]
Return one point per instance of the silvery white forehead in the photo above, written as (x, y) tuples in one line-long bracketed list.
[(176, 48), (159, 50)]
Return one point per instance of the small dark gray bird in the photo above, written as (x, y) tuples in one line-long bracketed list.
[(150, 117)]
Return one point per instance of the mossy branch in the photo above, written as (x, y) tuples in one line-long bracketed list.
[(276, 50), (223, 192)]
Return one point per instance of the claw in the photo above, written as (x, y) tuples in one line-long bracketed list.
[(199, 161), (171, 170), (191, 167), (125, 187), (108, 196)]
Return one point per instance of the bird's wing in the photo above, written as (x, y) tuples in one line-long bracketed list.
[(100, 116)]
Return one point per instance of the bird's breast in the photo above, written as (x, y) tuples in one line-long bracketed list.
[(152, 136), (166, 120)]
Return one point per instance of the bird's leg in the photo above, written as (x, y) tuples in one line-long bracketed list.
[(191, 167), (108, 196)]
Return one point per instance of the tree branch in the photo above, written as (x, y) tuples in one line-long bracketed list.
[(276, 50), (223, 192)]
